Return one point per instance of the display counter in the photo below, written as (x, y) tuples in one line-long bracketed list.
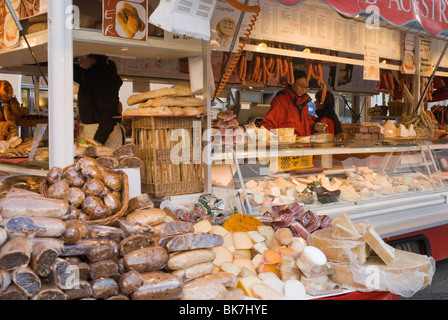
[(397, 185)]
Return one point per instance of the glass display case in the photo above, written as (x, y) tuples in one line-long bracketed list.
[(397, 185)]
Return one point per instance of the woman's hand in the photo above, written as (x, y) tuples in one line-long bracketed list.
[(320, 127)]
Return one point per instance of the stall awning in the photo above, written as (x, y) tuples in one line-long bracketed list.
[(430, 16)]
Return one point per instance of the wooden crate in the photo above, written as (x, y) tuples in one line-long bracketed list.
[(161, 174)]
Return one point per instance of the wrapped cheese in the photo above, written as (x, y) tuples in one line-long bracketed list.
[(407, 274)]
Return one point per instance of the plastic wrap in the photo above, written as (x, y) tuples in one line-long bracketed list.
[(159, 286), (408, 274), (355, 268)]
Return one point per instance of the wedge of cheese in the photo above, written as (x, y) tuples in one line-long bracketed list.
[(228, 242), (242, 240), (203, 226), (343, 228), (222, 254), (245, 263), (246, 284), (381, 248), (264, 292)]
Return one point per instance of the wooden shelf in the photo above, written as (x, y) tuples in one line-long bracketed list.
[(93, 41)]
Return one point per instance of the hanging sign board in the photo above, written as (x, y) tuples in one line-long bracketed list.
[(126, 19), (189, 18), (371, 63), (426, 57)]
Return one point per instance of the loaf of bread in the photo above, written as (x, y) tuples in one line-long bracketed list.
[(192, 111), (159, 111), (177, 90), (146, 104), (167, 101), (6, 90)]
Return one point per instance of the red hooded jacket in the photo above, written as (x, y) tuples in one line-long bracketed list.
[(290, 111)]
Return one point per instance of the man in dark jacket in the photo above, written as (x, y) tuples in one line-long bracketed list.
[(98, 100)]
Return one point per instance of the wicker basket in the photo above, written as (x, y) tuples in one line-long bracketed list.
[(160, 175), (173, 188), (113, 218)]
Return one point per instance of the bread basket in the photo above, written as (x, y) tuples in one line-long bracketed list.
[(110, 220)]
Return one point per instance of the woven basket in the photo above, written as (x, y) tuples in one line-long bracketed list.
[(113, 218), (171, 189)]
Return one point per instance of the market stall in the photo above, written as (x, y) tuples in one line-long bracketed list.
[(82, 233)]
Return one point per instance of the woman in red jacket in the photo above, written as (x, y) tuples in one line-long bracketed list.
[(289, 108), (325, 113)]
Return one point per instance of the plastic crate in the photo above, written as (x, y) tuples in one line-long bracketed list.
[(294, 163)]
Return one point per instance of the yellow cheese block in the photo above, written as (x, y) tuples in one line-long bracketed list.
[(222, 255), (246, 284), (203, 226), (228, 242), (216, 229), (245, 263), (242, 240)]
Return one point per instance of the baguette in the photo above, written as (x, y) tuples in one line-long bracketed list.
[(160, 111), (192, 111), (177, 102), (176, 90)]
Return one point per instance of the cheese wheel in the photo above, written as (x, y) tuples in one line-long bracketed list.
[(408, 271), (338, 249)]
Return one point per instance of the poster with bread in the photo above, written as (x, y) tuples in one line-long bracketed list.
[(23, 9), (126, 19), (408, 59), (223, 25)]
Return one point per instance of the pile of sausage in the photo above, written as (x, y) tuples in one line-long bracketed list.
[(46, 255)]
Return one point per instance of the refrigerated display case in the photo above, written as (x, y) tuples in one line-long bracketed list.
[(399, 186)]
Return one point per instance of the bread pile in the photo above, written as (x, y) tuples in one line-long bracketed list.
[(173, 101), (124, 156), (356, 248)]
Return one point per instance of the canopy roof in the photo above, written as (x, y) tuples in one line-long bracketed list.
[(423, 16)]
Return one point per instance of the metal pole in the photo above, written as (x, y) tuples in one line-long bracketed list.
[(60, 89)]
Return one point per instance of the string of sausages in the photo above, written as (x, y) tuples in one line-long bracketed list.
[(264, 66), (315, 72)]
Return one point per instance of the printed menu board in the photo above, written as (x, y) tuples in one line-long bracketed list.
[(126, 19), (9, 33), (309, 25)]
